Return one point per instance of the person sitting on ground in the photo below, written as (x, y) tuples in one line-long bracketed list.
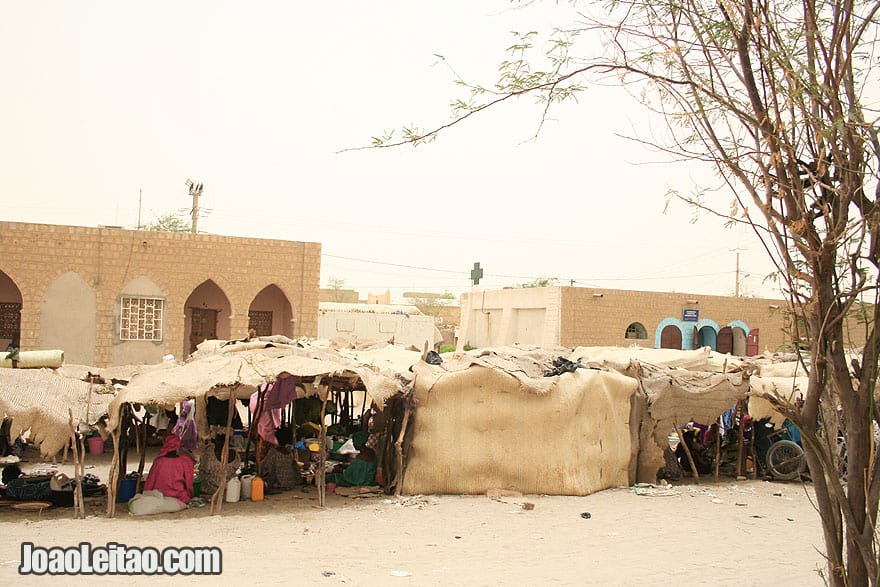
[(169, 486), (699, 454), (278, 467), (209, 465), (361, 471)]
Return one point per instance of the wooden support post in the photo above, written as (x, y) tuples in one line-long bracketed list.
[(321, 478), (143, 459), (113, 480), (217, 498), (754, 454), (78, 503), (717, 447), (740, 438), (82, 440), (398, 448), (687, 451)]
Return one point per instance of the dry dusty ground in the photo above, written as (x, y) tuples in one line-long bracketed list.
[(730, 533)]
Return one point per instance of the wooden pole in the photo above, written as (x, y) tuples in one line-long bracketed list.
[(398, 449), (217, 498), (717, 447), (112, 482), (143, 461), (114, 468), (321, 479), (78, 503), (687, 451), (740, 437), (753, 452), (82, 452), (82, 440)]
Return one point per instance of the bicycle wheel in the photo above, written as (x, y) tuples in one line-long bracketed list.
[(785, 460)]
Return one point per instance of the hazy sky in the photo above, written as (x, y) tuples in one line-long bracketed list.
[(106, 100)]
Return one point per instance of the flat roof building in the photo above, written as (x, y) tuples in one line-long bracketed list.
[(111, 296)]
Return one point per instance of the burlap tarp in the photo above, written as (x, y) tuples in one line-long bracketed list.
[(782, 388), (677, 396), (491, 420), (39, 400)]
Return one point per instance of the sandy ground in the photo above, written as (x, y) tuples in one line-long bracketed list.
[(729, 533)]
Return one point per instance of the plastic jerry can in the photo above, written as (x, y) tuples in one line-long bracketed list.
[(246, 483), (257, 489), (233, 489)]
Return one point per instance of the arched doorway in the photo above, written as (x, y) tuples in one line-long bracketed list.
[(725, 341), (206, 311), (270, 313), (10, 312), (670, 337), (707, 337), (740, 341)]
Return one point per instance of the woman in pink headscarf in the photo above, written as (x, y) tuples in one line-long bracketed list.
[(169, 485)]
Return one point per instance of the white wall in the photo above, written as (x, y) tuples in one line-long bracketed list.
[(405, 329), (509, 316)]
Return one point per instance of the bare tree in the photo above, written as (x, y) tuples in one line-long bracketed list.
[(168, 223), (541, 282), (778, 97), (428, 303), (337, 284)]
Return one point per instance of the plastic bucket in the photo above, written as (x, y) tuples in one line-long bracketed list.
[(246, 481), (96, 445), (127, 489)]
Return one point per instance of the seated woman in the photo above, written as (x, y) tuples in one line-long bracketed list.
[(209, 465), (169, 485), (701, 457), (361, 471), (278, 468)]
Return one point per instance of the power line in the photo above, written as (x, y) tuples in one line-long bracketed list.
[(395, 264), (498, 275)]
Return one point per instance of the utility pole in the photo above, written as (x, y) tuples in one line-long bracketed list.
[(736, 287), (140, 200), (195, 190)]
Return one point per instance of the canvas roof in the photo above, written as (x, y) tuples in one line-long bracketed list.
[(244, 367), (39, 400)]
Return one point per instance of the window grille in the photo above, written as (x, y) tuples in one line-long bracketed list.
[(141, 319)]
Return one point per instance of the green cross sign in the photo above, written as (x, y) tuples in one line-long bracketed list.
[(476, 273)]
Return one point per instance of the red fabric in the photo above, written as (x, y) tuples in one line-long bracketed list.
[(170, 444), (173, 476), (270, 419)]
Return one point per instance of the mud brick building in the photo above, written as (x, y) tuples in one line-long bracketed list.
[(111, 296), (580, 316)]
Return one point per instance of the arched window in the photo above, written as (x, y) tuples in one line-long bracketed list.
[(636, 330)]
